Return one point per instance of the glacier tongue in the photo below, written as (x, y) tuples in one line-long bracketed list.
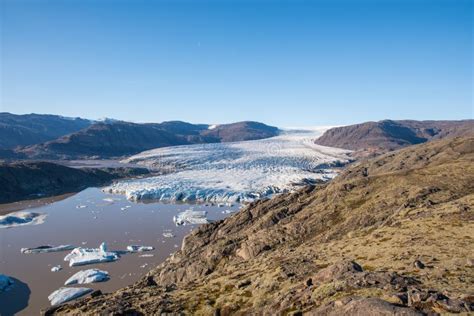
[(232, 172)]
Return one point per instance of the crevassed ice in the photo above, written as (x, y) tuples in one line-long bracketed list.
[(233, 172)]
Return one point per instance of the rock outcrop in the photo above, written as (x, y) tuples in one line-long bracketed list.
[(343, 248)]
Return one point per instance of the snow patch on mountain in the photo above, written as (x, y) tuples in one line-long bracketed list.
[(233, 172)]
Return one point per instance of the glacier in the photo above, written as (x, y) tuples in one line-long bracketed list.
[(233, 172)]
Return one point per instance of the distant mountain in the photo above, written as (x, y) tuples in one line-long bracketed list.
[(240, 131), (390, 135), (119, 138), (29, 129)]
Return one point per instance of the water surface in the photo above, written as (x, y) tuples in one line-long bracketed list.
[(142, 224)]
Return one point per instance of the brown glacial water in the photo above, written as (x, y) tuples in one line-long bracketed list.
[(140, 224)]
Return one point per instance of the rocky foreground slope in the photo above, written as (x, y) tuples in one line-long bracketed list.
[(390, 236)]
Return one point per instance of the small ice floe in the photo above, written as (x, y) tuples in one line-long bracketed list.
[(5, 282), (82, 256), (229, 204), (125, 207), (66, 294), (88, 276), (190, 217), (143, 265), (110, 200), (220, 204), (81, 206), (148, 255), (20, 219), (137, 248), (56, 268), (47, 248), (168, 235), (228, 212)]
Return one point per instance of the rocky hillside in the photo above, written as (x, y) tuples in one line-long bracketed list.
[(29, 129), (388, 135), (392, 235), (26, 180), (118, 138)]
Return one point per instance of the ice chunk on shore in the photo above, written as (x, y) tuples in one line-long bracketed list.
[(82, 256), (66, 294), (88, 276), (137, 248), (190, 217), (5, 282), (47, 248), (56, 268), (21, 218)]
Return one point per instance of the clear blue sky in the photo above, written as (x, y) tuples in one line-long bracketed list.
[(288, 63)]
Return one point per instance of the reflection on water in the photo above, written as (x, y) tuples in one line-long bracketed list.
[(116, 221)]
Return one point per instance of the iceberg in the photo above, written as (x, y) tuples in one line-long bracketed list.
[(47, 248), (56, 268), (229, 173), (191, 217), (21, 218), (88, 276), (66, 294), (168, 235), (5, 282), (82, 256), (137, 248)]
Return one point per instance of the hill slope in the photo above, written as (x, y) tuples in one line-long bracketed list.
[(115, 139), (24, 130), (406, 218), (389, 135), (27, 180)]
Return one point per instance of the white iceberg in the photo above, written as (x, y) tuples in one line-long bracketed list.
[(232, 172), (82, 256), (56, 268), (21, 218), (5, 282), (88, 276), (137, 248), (191, 217), (81, 206), (168, 235), (47, 248), (66, 294)]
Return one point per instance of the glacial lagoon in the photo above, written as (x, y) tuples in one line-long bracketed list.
[(87, 219)]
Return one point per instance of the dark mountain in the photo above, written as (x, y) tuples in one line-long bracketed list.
[(389, 135), (115, 139), (241, 131), (29, 129), (389, 236), (26, 180)]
